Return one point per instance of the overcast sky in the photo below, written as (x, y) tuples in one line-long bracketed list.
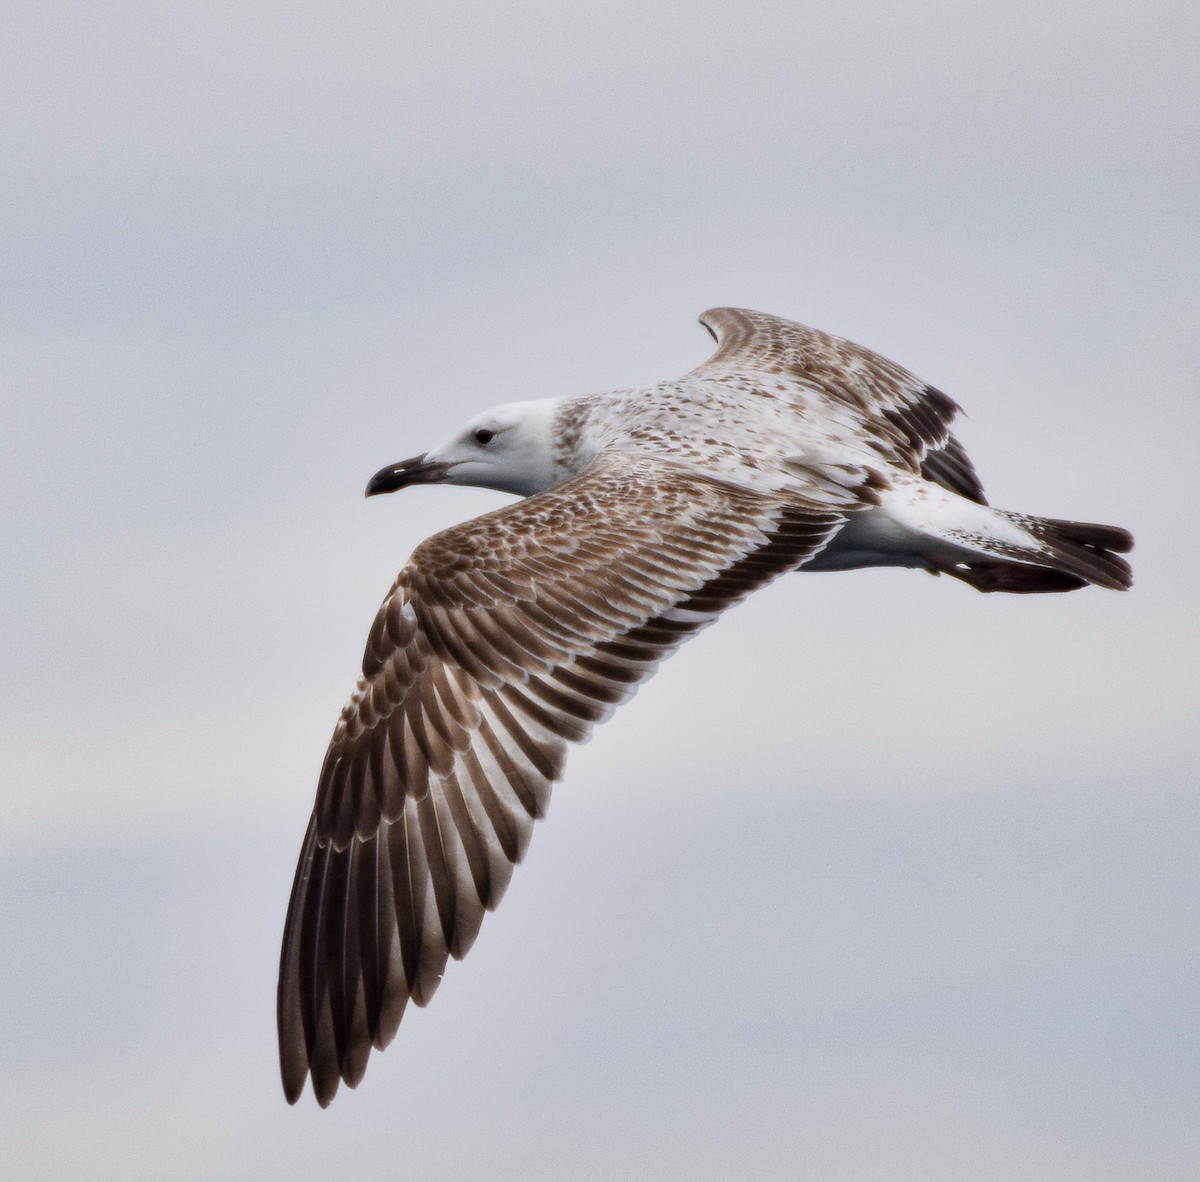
[(880, 878)]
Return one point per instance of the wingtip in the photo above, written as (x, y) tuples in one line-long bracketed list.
[(323, 1094)]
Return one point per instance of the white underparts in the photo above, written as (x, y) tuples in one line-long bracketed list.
[(918, 525)]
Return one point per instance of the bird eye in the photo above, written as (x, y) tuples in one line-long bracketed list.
[(483, 436)]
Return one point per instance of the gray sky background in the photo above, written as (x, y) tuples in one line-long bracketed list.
[(880, 878)]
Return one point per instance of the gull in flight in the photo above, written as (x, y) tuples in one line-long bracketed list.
[(646, 514)]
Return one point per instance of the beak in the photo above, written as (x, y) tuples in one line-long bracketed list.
[(418, 470)]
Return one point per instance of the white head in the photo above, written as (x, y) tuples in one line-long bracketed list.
[(509, 448)]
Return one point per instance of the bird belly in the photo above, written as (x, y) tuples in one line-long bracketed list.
[(874, 537)]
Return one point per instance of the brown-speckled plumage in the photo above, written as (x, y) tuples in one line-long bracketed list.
[(508, 637)]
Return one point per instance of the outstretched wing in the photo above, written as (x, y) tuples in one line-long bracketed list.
[(906, 419), (501, 641)]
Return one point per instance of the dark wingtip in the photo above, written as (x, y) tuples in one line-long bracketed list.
[(293, 1088), (294, 1074)]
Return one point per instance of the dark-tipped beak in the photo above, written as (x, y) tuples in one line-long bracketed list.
[(418, 470)]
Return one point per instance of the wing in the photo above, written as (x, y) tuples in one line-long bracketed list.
[(502, 640), (903, 417), (951, 467)]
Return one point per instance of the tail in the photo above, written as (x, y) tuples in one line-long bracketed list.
[(1051, 555)]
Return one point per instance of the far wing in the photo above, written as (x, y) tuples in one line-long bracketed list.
[(907, 419), (503, 640)]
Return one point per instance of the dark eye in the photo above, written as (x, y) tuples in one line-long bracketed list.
[(483, 436)]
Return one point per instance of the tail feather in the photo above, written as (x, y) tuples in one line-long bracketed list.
[(1016, 578), (924, 524), (1087, 533), (1081, 548), (1043, 554)]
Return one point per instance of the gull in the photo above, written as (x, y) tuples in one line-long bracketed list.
[(646, 513)]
